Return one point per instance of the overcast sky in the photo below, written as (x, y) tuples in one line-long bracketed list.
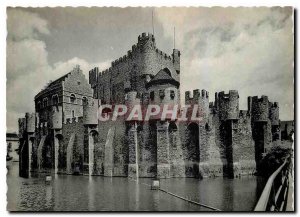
[(244, 49)]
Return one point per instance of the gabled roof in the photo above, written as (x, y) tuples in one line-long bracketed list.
[(51, 84), (57, 81), (163, 77)]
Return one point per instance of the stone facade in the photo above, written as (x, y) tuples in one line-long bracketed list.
[(66, 136)]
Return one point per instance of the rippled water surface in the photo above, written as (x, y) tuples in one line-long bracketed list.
[(96, 193)]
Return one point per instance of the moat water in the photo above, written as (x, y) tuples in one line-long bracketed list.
[(96, 193)]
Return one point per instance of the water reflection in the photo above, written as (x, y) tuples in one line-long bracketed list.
[(91, 194), (96, 193)]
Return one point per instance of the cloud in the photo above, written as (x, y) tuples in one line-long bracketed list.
[(22, 24), (28, 69), (247, 49)]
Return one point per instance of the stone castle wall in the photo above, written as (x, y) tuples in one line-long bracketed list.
[(225, 142), (141, 63), (72, 127)]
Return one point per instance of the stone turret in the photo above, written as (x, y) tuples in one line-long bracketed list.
[(176, 60), (199, 98), (146, 39), (90, 113), (228, 105), (56, 117), (22, 126), (93, 76), (30, 122), (274, 113), (259, 108)]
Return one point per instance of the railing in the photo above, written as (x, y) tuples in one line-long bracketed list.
[(274, 195)]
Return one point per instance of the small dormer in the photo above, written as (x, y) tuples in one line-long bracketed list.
[(162, 77)]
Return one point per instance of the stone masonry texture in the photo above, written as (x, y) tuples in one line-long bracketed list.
[(227, 141)]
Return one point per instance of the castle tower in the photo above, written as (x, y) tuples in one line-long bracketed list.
[(90, 121), (30, 130), (201, 100), (176, 60), (93, 80), (138, 66), (228, 108), (146, 44), (27, 141), (228, 105), (275, 122), (163, 91), (261, 125), (132, 102), (56, 126), (196, 141)]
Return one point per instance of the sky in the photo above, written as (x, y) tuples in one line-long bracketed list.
[(246, 49)]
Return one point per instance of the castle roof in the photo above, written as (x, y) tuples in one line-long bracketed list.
[(163, 77), (52, 84), (57, 81)]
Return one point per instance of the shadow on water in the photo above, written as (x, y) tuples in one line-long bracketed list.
[(96, 193)]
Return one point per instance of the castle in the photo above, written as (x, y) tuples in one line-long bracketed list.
[(65, 136)]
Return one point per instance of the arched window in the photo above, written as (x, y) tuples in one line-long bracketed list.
[(55, 99), (172, 94), (39, 105), (84, 101), (72, 98), (172, 127), (45, 102), (73, 114)]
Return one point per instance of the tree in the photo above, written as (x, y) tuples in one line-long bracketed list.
[(272, 160)]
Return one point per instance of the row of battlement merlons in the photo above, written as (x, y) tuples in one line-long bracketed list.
[(130, 55)]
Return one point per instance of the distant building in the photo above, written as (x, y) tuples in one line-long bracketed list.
[(12, 143)]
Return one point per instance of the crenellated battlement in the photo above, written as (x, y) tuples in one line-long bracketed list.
[(230, 95), (197, 96), (244, 114), (273, 104), (274, 113), (150, 55), (93, 76), (144, 38), (201, 99), (228, 105), (259, 108), (122, 59), (205, 139), (162, 54)]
